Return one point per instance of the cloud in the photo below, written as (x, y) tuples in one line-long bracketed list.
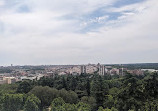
[(70, 32), (1, 3)]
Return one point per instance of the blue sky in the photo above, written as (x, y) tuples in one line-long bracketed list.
[(78, 32)]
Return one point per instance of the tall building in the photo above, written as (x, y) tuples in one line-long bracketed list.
[(101, 70), (83, 69), (122, 70)]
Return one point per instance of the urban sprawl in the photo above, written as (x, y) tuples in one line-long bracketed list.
[(12, 74)]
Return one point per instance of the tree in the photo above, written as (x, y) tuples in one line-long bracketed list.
[(150, 105), (32, 103), (24, 87), (151, 86), (73, 84), (151, 92), (131, 94), (70, 107), (88, 87), (90, 101), (113, 91), (64, 83), (68, 96), (45, 94), (73, 98), (100, 109), (45, 81), (108, 101), (8, 88), (57, 104), (99, 89), (112, 109), (83, 107), (12, 102)]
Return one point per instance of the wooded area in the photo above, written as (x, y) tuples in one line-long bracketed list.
[(83, 92)]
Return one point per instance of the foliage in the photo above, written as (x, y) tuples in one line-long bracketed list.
[(24, 87), (8, 88), (32, 103), (68, 96), (12, 102), (90, 101), (45, 94), (83, 92), (58, 104), (107, 109)]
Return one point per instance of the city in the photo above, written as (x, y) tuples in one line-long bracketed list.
[(78, 55), (12, 74)]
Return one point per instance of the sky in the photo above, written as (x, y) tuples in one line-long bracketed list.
[(45, 32)]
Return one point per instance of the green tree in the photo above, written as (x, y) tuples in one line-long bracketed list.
[(73, 84), (99, 89), (112, 109), (109, 101), (12, 102), (70, 107), (8, 88), (73, 98), (57, 104), (68, 96), (45, 81), (45, 94), (64, 83), (83, 107), (32, 103), (90, 101), (131, 94), (100, 108), (151, 105), (88, 87), (151, 86), (24, 87)]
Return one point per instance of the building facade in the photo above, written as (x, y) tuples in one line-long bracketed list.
[(101, 70), (83, 69)]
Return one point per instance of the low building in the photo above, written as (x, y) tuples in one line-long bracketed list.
[(7, 80)]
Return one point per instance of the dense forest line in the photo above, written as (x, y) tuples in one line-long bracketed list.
[(137, 66), (83, 92)]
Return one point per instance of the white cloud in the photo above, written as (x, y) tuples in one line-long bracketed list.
[(138, 7), (69, 6), (2, 2), (45, 36)]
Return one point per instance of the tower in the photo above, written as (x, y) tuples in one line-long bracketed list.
[(101, 70), (83, 69), (122, 70)]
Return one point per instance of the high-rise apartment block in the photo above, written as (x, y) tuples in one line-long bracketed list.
[(101, 70), (83, 69)]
